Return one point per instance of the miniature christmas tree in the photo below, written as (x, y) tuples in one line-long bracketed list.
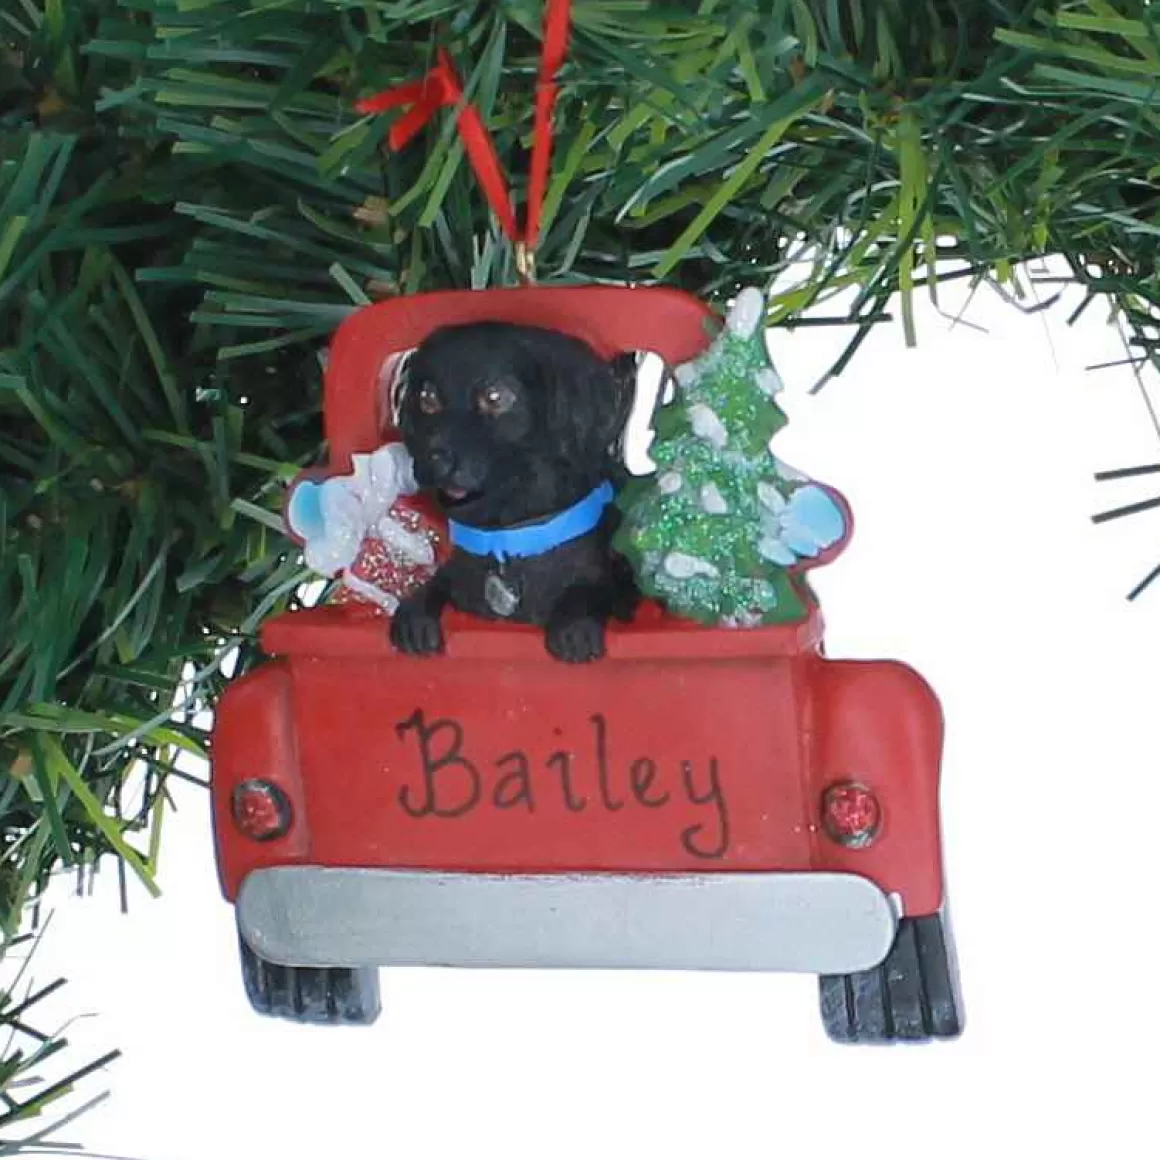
[(714, 532)]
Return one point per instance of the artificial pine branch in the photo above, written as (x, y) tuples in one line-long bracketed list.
[(25, 1092), (189, 205)]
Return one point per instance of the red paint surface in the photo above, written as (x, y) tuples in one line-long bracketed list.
[(782, 723)]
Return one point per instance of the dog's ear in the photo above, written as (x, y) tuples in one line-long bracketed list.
[(624, 369), (589, 399), (591, 403), (396, 387)]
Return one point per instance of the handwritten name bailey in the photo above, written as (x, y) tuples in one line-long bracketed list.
[(453, 781)]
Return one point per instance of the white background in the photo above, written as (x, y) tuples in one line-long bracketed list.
[(968, 463)]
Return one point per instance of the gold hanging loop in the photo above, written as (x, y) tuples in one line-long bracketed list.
[(526, 263)]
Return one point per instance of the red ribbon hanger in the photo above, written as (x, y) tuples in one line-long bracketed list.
[(442, 88), (557, 25)]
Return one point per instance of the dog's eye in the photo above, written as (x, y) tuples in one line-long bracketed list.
[(496, 399), (429, 401)]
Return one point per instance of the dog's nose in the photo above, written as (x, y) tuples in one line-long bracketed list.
[(442, 462)]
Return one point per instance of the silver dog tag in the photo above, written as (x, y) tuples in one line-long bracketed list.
[(501, 599)]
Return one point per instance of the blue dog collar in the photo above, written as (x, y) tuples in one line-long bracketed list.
[(535, 539)]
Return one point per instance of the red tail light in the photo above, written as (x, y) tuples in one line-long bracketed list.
[(261, 810), (851, 814)]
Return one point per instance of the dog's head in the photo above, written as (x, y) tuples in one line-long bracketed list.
[(512, 423)]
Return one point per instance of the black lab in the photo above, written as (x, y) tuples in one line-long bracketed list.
[(515, 429)]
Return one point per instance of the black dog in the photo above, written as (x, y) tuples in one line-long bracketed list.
[(515, 428)]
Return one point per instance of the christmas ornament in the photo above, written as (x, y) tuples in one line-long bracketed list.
[(702, 798), (722, 530)]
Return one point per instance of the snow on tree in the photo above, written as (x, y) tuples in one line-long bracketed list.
[(714, 532)]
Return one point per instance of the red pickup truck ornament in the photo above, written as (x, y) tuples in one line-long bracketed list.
[(701, 798)]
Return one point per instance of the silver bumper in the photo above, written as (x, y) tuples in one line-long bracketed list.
[(816, 923)]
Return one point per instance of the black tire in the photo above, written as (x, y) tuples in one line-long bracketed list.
[(911, 997), (334, 996)]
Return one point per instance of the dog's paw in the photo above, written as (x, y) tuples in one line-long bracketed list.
[(416, 630), (576, 640)]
